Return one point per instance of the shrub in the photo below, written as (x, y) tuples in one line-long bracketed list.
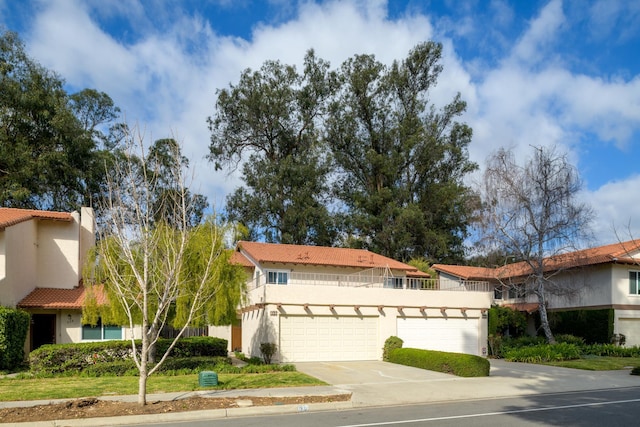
[(60, 358), (543, 353), (391, 343), (195, 346), (611, 350), (570, 339), (463, 365), (635, 371), (595, 326), (503, 320), (268, 349), (14, 325), (118, 368)]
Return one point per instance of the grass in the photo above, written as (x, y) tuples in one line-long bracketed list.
[(598, 363), (13, 389)]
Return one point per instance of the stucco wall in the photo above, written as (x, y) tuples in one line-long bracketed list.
[(58, 253), (20, 258), (261, 323)]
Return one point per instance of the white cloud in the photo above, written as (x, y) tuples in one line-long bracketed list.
[(617, 211), (166, 78), (534, 43)]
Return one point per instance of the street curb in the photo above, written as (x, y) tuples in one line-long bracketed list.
[(209, 414)]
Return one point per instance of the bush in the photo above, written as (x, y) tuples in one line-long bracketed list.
[(195, 346), (543, 353), (611, 350), (504, 320), (635, 371), (595, 326), (569, 339), (391, 343), (14, 325), (268, 349), (462, 365), (56, 359)]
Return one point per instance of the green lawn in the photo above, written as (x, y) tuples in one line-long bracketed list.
[(73, 387), (599, 363)]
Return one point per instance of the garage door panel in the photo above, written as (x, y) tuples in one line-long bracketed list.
[(456, 335), (328, 338)]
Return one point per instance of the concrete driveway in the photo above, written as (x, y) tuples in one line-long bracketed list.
[(375, 383)]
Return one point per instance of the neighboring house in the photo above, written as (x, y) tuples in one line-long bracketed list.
[(41, 259), (329, 304), (605, 277)]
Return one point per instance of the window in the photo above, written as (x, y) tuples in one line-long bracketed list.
[(393, 282), (517, 291), (634, 282), (277, 277), (101, 332), (497, 292)]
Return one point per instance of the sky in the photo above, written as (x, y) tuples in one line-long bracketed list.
[(533, 73)]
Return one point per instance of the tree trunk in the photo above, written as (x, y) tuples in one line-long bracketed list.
[(144, 357), (142, 385), (544, 319)]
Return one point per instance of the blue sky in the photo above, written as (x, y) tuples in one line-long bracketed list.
[(532, 72)]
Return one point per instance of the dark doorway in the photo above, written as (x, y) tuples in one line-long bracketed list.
[(43, 330)]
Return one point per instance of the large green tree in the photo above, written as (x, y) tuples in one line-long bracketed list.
[(52, 144), (401, 161), (158, 270), (357, 156), (270, 121)]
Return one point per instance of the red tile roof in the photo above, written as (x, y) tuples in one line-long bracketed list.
[(238, 258), (320, 256), (529, 307), (13, 216), (53, 298), (621, 252), (466, 272)]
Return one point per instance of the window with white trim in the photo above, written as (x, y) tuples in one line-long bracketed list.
[(393, 282), (276, 277), (498, 292), (634, 282), (100, 332)]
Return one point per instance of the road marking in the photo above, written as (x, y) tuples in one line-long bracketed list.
[(489, 414)]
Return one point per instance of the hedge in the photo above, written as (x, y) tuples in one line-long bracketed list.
[(544, 353), (462, 365), (60, 358), (14, 326)]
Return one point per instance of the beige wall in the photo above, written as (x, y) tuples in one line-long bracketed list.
[(20, 242), (262, 324), (43, 253), (223, 332)]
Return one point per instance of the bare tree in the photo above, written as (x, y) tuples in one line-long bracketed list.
[(532, 211), (157, 272)]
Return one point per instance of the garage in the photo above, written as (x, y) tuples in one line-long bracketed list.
[(458, 335), (630, 328), (328, 338)]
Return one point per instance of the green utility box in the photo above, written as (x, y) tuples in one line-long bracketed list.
[(207, 379)]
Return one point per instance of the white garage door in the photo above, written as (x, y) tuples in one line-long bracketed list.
[(328, 338), (455, 335), (630, 328)]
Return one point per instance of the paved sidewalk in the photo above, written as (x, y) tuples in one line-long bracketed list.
[(375, 383)]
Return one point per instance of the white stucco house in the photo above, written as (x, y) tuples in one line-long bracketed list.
[(41, 259), (604, 277), (335, 304)]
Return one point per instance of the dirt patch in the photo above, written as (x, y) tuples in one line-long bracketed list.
[(93, 408)]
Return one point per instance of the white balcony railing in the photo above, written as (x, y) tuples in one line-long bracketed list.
[(367, 279)]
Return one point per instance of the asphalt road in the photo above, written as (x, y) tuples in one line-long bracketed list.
[(614, 407)]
